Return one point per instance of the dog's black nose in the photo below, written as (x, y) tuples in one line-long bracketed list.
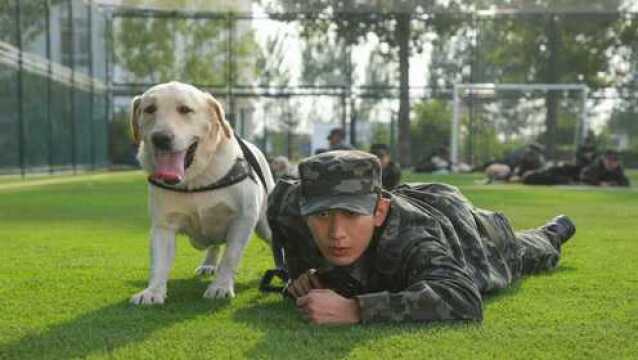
[(162, 141)]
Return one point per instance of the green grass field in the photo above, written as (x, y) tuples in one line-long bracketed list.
[(74, 249)]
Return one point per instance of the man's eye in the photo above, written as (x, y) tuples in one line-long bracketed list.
[(183, 109), (322, 215), (150, 109), (350, 213)]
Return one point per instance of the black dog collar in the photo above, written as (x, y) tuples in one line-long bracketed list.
[(240, 171)]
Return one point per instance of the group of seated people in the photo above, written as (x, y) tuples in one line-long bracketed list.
[(604, 170), (589, 167), (437, 162), (526, 165)]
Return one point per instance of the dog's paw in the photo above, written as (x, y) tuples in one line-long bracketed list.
[(148, 297), (205, 270), (219, 291)]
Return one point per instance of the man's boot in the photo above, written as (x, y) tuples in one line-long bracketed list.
[(560, 228)]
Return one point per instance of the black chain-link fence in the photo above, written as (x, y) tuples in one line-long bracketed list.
[(53, 95), (69, 68)]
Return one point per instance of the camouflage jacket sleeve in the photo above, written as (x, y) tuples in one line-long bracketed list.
[(438, 288)]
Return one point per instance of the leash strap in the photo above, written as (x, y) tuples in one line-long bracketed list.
[(250, 157)]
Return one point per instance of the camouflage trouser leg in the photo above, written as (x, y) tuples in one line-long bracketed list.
[(525, 252), (539, 251)]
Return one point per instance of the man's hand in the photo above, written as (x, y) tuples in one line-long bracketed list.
[(324, 306), (304, 283)]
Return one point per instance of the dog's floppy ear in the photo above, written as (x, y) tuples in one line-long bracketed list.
[(217, 114), (135, 116)]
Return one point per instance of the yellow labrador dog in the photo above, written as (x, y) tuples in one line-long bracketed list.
[(200, 184)]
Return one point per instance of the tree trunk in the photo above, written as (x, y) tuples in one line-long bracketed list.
[(350, 100), (552, 77), (353, 123), (403, 39), (289, 143)]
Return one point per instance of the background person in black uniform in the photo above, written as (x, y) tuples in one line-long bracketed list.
[(605, 171), (390, 171), (336, 140)]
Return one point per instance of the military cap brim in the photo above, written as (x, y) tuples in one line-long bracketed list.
[(363, 204)]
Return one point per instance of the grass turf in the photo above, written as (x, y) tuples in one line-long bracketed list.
[(73, 250)]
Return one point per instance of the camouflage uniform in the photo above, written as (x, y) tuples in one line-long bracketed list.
[(432, 258), (531, 159), (596, 173), (391, 176)]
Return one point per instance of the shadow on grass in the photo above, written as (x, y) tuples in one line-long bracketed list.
[(563, 268), (515, 287), (499, 295), (115, 326), (284, 332)]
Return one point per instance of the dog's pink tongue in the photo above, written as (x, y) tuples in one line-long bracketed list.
[(169, 167)]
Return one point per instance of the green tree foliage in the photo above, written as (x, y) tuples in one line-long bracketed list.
[(323, 59), (159, 49), (430, 128), (32, 18), (624, 121), (121, 147), (390, 21), (270, 62), (380, 133), (591, 48)]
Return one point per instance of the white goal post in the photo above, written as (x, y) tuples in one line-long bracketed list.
[(484, 90)]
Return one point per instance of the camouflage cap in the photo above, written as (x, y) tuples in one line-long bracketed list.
[(341, 179)]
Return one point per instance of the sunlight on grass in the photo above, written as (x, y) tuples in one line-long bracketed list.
[(74, 249)]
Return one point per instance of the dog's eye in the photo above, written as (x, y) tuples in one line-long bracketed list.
[(150, 109), (183, 109)]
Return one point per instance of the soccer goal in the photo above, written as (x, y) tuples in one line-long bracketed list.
[(491, 120)]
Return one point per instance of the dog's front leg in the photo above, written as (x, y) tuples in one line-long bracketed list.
[(209, 265), (162, 256), (238, 236)]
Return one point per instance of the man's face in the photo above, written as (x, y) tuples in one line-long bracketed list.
[(334, 139), (278, 166), (384, 158), (611, 163), (343, 236)]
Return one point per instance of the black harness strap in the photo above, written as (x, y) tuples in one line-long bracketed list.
[(250, 157), (239, 172)]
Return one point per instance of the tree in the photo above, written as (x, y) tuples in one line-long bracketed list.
[(32, 19), (390, 21), (430, 129), (271, 60), (625, 121), (557, 43), (556, 46), (322, 57), (159, 49), (149, 49)]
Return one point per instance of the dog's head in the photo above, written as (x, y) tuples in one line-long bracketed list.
[(177, 126)]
